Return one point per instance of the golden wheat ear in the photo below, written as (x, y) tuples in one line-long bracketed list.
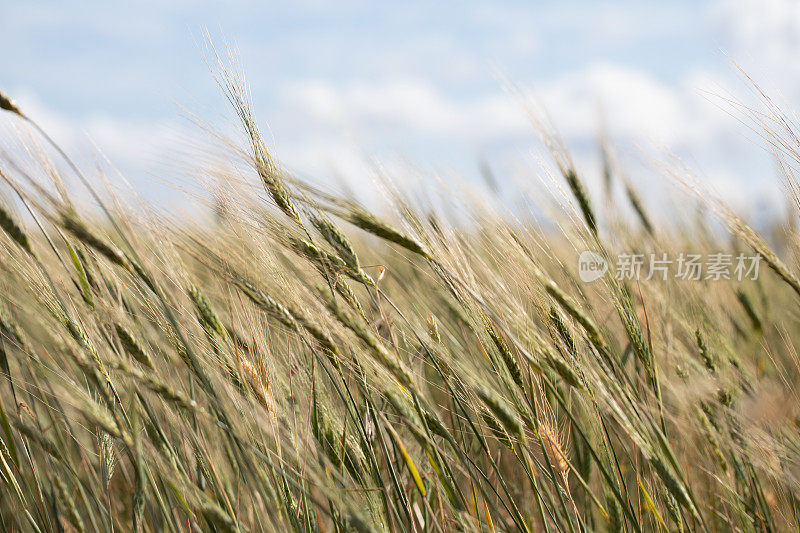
[(7, 103)]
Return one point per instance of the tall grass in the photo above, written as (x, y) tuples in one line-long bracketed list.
[(258, 374)]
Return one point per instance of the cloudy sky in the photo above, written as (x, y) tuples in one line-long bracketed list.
[(336, 83)]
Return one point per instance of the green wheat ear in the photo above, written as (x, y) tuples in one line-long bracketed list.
[(133, 347), (337, 239), (584, 203), (14, 230), (371, 224), (502, 411)]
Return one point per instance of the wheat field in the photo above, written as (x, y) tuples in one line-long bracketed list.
[(303, 363)]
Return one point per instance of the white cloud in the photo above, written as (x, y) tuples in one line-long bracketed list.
[(137, 150), (428, 91), (637, 107), (635, 104), (764, 37), (123, 142), (410, 106)]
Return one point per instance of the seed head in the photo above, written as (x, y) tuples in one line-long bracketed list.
[(7, 103), (501, 410), (554, 447), (14, 230)]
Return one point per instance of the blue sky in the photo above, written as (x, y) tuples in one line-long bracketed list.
[(335, 83)]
